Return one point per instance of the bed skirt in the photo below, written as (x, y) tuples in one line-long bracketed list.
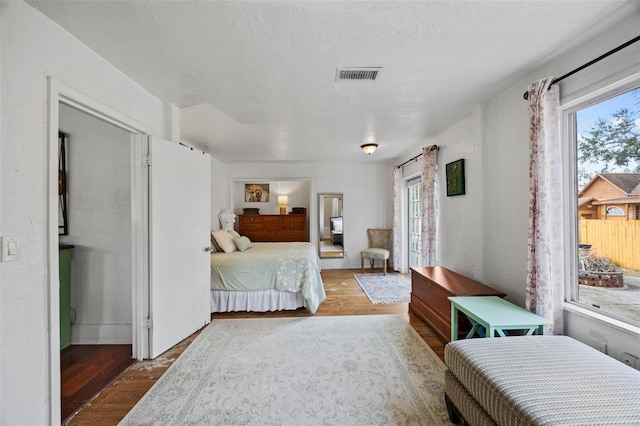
[(255, 301)]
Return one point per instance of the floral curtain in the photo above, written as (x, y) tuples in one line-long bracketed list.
[(396, 262), (429, 165), (545, 263)]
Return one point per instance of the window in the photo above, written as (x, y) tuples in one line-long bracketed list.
[(606, 134), (615, 211)]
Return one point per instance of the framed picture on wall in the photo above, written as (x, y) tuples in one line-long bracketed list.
[(256, 192), (455, 178), (63, 220)]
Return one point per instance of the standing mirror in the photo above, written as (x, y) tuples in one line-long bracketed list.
[(331, 229)]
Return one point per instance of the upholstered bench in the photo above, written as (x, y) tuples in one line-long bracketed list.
[(538, 380)]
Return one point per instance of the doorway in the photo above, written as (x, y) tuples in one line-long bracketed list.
[(95, 241), (61, 94)]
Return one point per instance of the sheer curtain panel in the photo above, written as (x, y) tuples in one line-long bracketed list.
[(429, 165), (545, 263), (397, 250)]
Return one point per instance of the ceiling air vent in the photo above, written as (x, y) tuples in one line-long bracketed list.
[(358, 73)]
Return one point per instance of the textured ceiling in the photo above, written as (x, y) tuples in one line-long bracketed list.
[(255, 80)]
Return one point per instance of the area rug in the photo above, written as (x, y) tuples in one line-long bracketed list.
[(349, 370), (381, 288)]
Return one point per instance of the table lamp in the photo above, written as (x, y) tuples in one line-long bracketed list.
[(282, 200)]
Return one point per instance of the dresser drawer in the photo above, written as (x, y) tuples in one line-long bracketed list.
[(271, 222), (292, 226), (294, 220), (252, 226), (292, 235), (246, 219), (260, 235)]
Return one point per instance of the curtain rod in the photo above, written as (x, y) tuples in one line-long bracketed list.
[(588, 64), (431, 148)]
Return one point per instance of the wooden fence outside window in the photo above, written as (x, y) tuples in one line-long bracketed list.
[(618, 240)]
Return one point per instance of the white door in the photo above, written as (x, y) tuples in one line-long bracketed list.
[(179, 232), (414, 207)]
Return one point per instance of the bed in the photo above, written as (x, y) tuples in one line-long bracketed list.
[(266, 277), (336, 230)]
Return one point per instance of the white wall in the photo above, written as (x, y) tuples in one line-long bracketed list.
[(219, 191), (99, 206), (297, 191), (461, 216), (33, 47), (366, 189), (483, 234)]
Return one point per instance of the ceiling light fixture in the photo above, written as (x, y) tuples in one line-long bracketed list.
[(369, 148)]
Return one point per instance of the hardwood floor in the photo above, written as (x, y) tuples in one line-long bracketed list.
[(87, 369), (344, 297)]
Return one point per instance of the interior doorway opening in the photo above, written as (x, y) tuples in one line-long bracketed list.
[(95, 219), (61, 94)]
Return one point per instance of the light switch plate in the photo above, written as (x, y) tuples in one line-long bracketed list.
[(10, 248)]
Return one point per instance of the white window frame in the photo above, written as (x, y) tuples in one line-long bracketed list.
[(570, 184)]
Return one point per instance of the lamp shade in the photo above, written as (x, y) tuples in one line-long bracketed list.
[(283, 199), (369, 148)]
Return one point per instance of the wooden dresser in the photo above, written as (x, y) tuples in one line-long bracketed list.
[(430, 288), (273, 227)]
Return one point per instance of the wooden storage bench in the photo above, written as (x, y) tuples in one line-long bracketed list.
[(430, 289)]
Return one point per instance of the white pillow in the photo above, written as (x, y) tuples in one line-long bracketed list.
[(214, 245), (224, 240), (234, 233), (243, 243)]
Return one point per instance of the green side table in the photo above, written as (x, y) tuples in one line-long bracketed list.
[(64, 257), (495, 314)]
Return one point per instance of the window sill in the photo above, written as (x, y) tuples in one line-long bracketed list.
[(620, 325)]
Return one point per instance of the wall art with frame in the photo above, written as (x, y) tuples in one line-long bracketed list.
[(256, 192), (455, 177), (63, 219)]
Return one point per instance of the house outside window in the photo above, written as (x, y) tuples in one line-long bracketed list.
[(605, 135)]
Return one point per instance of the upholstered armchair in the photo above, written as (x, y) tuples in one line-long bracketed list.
[(379, 242)]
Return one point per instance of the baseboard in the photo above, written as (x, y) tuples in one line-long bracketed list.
[(101, 334)]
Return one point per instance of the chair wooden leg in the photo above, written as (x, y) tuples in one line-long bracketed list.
[(362, 265), (384, 266)]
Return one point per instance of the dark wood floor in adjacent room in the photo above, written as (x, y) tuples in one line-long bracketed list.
[(344, 297), (87, 369)]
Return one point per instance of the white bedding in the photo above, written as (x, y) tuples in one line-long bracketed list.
[(285, 267)]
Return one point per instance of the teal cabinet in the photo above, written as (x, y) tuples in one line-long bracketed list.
[(64, 256)]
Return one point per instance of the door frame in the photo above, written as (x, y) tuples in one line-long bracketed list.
[(59, 92)]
